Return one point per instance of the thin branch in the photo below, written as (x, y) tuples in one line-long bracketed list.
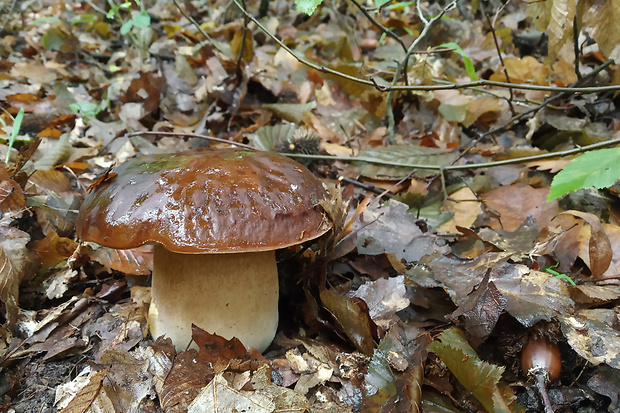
[(384, 29), (195, 23), (444, 86), (192, 135), (501, 60), (403, 65), (534, 110), (461, 167)]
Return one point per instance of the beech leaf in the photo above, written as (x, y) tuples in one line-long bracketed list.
[(477, 376)]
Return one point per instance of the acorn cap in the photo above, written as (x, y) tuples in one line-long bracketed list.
[(206, 201)]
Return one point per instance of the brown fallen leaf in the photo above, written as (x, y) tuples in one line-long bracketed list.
[(354, 322), (599, 247), (516, 202), (90, 396)]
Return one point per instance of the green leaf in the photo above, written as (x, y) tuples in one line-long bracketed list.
[(17, 124), (599, 169), (469, 65), (307, 6), (126, 27), (379, 3), (141, 20), (477, 376), (42, 20)]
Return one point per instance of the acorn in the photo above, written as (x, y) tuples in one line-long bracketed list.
[(540, 354), (541, 360)]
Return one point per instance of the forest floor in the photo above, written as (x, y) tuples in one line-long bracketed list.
[(450, 272)]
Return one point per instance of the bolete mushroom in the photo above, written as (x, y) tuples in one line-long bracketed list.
[(216, 217)]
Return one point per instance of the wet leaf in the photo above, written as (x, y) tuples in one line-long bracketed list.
[(591, 333), (385, 297), (354, 320), (477, 376), (531, 296), (401, 155), (599, 247), (481, 310), (391, 229)]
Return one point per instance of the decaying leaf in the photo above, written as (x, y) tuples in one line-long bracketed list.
[(481, 310), (9, 290), (404, 155), (91, 397), (591, 333), (599, 247), (390, 229), (531, 296), (385, 297), (222, 396), (354, 320)]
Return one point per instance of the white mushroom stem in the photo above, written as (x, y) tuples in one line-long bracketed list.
[(232, 295)]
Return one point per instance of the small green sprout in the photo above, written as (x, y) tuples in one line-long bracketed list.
[(552, 271)]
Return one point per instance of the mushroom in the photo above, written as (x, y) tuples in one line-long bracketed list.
[(216, 217)]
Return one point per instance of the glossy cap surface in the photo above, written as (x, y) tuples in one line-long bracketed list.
[(205, 201)]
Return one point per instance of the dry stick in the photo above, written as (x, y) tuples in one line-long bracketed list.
[(192, 135), (245, 34), (533, 110), (501, 60), (381, 27), (403, 65), (461, 167), (445, 86), (195, 23)]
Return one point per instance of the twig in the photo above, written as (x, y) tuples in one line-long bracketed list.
[(366, 186), (384, 29), (8, 15), (403, 64), (195, 23), (576, 45), (192, 135), (245, 34), (534, 110), (460, 167), (501, 60), (445, 86)]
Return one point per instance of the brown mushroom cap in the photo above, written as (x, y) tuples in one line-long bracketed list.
[(205, 201)]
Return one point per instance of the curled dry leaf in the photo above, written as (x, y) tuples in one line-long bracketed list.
[(9, 290), (599, 247), (12, 198), (354, 320)]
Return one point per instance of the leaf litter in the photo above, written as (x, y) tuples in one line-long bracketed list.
[(421, 299)]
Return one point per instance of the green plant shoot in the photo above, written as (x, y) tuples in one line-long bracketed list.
[(556, 274), (469, 65), (17, 124)]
